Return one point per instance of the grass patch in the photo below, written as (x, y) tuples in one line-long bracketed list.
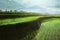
[(18, 20), (49, 30)]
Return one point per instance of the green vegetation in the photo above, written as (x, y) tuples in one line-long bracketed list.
[(49, 30), (15, 12), (18, 20), (29, 25), (13, 17)]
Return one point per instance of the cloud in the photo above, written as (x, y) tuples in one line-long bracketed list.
[(44, 6)]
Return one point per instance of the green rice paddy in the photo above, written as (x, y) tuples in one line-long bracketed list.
[(18, 20), (49, 30)]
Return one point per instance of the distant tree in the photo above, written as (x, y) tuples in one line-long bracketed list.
[(10, 11), (15, 11), (0, 10)]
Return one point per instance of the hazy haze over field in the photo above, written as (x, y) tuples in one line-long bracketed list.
[(43, 6)]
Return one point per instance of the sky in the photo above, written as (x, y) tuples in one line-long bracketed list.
[(42, 6)]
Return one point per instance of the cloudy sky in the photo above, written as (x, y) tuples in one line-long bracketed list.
[(43, 6)]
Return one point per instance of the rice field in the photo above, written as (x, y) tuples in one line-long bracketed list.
[(18, 20), (49, 30)]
